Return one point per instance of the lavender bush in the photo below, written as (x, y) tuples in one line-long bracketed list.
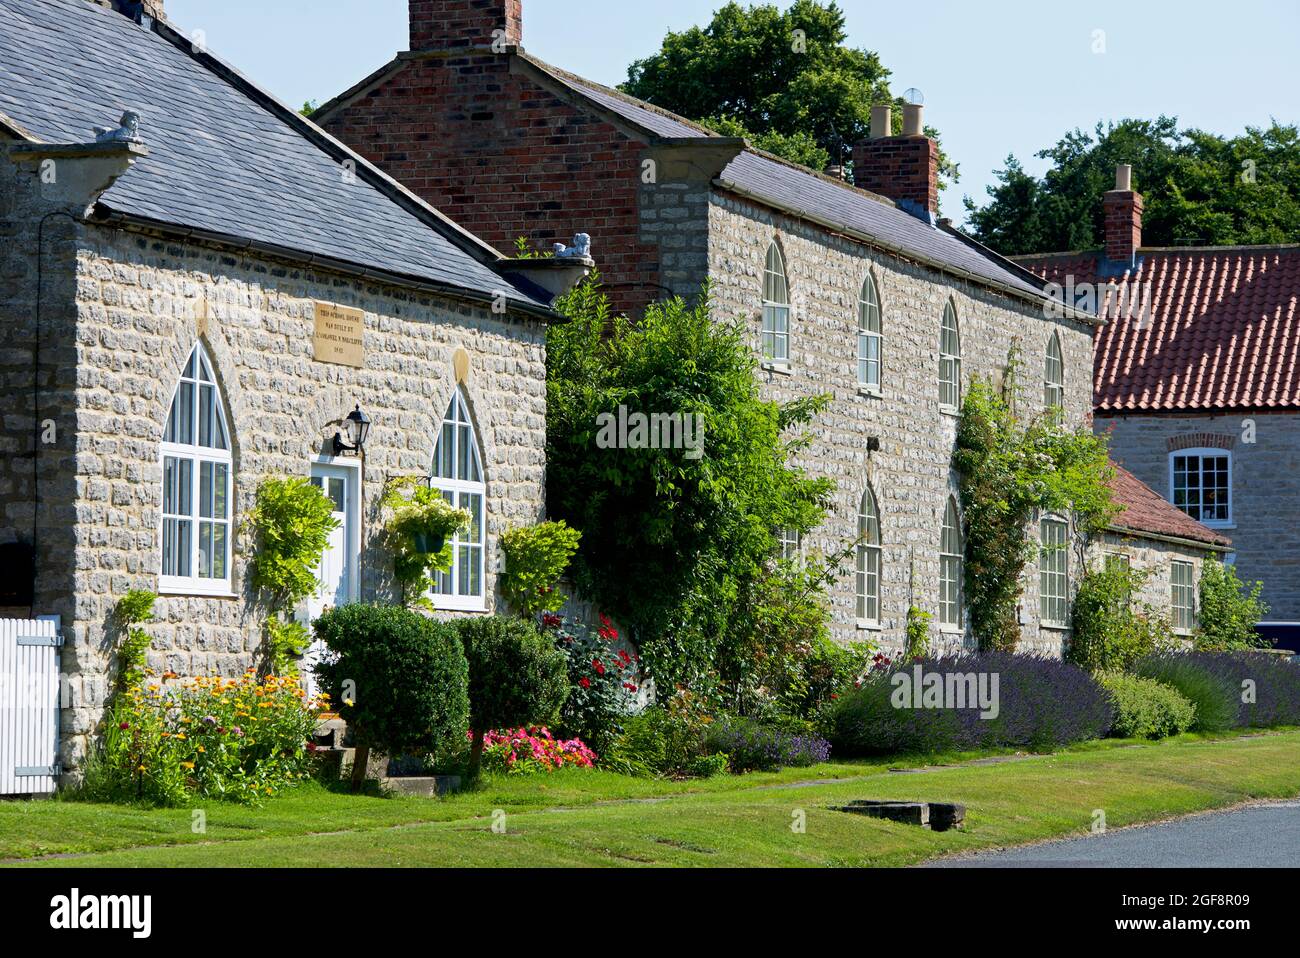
[(761, 748), (1040, 703), (1276, 684)]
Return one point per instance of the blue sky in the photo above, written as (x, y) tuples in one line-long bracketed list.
[(998, 77)]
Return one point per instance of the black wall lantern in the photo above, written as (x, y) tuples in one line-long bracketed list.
[(358, 427)]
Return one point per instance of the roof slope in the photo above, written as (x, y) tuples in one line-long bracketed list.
[(804, 192), (224, 157), (1145, 510), (1198, 330)]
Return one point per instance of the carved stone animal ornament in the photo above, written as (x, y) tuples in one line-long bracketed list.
[(581, 248), (128, 132)]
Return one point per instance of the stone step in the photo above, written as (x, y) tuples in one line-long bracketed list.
[(937, 816), (423, 786)]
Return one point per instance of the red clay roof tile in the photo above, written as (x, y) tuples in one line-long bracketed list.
[(1221, 330), (1145, 510)]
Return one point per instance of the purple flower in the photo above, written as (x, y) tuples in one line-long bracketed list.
[(236, 731)]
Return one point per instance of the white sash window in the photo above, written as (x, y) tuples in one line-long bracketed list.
[(197, 478)]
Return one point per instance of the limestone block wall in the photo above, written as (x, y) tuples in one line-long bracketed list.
[(911, 473), (141, 304), (1265, 451)]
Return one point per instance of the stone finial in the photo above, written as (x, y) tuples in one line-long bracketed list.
[(581, 248), (127, 132)]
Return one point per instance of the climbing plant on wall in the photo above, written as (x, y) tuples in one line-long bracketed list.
[(1010, 470), (292, 520)]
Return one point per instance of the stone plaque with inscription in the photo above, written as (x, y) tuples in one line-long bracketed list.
[(338, 334)]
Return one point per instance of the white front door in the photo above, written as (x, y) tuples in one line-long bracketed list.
[(337, 575)]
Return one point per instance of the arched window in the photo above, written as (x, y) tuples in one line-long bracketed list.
[(1054, 378), (949, 360), (950, 569), (458, 474), (776, 308), (868, 560), (197, 473), (869, 336)]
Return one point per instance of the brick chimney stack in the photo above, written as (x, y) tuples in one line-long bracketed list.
[(1123, 208), (904, 168), (452, 24)]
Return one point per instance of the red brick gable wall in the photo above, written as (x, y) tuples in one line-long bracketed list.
[(504, 157)]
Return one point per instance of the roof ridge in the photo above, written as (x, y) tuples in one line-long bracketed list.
[(562, 73)]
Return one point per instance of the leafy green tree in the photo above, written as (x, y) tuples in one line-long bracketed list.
[(1198, 188), (671, 535), (785, 80)]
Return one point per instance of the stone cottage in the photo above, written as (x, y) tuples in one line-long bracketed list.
[(859, 291), (1196, 379), (197, 287)]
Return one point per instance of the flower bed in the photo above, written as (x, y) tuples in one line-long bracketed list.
[(524, 751), (240, 740)]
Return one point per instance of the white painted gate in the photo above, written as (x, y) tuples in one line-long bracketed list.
[(29, 706)]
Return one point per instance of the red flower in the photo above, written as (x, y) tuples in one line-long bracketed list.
[(552, 621), (834, 696), (585, 682), (124, 725), (598, 666)]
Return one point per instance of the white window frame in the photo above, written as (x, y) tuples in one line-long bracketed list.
[(949, 360), (1053, 571), (197, 456), (1202, 453), (870, 562), (774, 334), (869, 336), (1054, 377), (789, 544), (1189, 589), (456, 489), (952, 569)]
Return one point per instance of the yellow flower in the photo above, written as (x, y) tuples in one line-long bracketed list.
[(188, 765), (202, 749)]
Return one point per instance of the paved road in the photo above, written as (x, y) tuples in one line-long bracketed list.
[(1257, 836)]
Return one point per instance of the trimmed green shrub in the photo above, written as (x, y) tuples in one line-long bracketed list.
[(1145, 708), (517, 677), (400, 680), (1215, 697)]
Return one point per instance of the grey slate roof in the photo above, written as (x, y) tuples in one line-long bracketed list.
[(223, 160), (795, 189)]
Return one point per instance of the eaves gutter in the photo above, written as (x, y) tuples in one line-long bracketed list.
[(1068, 312), (1175, 540), (104, 215)]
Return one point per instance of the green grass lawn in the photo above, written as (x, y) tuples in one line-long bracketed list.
[(598, 818)]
